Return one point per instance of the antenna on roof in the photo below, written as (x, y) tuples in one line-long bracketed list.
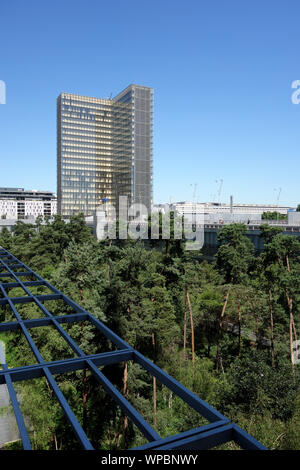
[(220, 190)]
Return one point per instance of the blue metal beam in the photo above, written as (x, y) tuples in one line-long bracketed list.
[(18, 415), (172, 440), (66, 365)]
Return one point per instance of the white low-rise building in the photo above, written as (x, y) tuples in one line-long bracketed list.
[(212, 208), (219, 212), (16, 203)]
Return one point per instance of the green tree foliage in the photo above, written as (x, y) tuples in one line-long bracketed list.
[(273, 216), (5, 238), (254, 387), (222, 328), (235, 254)]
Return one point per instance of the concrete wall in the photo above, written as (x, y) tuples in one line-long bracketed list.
[(228, 218), (294, 218)]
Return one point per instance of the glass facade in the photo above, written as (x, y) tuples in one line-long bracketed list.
[(104, 150), (141, 101)]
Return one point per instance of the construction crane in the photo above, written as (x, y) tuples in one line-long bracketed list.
[(194, 201), (220, 190), (194, 191), (278, 196)]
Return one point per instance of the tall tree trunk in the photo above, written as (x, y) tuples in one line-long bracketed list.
[(239, 323), (272, 327), (55, 442), (84, 390), (125, 393), (154, 387), (208, 349), (154, 403), (170, 400), (84, 378), (290, 301), (84, 401), (290, 304), (292, 330), (192, 327), (184, 335), (288, 263), (219, 359), (291, 347)]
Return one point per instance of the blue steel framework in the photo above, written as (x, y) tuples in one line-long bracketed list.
[(219, 431)]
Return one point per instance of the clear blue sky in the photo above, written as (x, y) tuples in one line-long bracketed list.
[(221, 72)]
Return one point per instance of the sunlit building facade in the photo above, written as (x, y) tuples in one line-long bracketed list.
[(16, 203), (104, 150)]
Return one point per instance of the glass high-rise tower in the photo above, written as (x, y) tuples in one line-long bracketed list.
[(104, 150)]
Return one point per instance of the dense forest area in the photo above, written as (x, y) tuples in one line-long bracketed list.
[(224, 328)]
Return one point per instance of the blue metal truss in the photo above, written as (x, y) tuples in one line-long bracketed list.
[(219, 431)]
